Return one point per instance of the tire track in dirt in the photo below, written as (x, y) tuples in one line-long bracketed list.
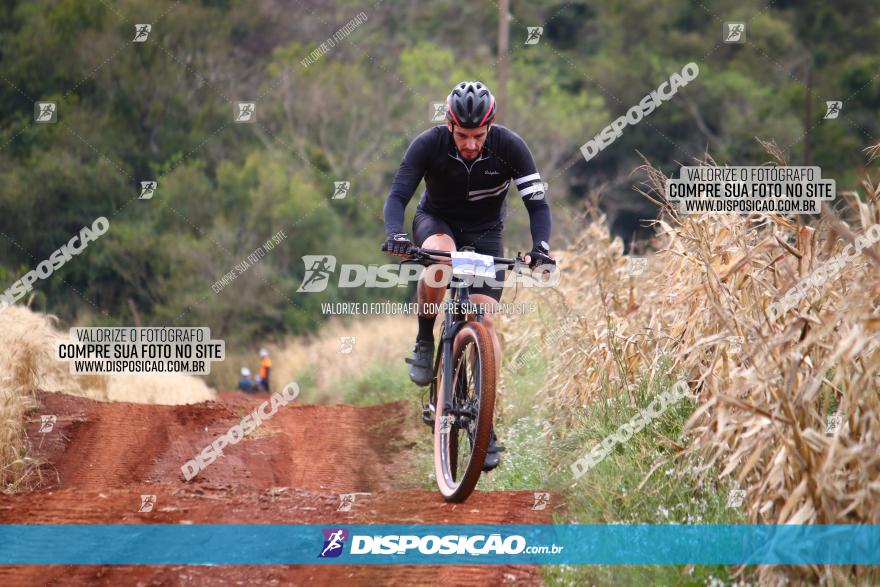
[(101, 457)]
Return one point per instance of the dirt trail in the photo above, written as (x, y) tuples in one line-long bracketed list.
[(101, 457)]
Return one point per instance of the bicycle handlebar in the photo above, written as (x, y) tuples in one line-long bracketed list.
[(419, 255)]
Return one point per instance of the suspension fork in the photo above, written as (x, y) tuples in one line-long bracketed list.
[(450, 329)]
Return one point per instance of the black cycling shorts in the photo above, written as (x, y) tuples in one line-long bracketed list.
[(485, 242)]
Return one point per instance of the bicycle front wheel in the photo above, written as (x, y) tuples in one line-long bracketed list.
[(464, 413)]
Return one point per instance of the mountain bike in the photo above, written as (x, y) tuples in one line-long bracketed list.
[(461, 397)]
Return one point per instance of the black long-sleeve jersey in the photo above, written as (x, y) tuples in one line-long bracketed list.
[(469, 195)]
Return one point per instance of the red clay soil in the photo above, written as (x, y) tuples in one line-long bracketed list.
[(101, 457)]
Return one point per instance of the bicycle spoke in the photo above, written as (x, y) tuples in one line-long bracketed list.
[(456, 446)]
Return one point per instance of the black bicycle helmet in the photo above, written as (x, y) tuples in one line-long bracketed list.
[(470, 105)]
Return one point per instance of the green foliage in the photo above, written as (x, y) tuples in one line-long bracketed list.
[(379, 385), (162, 110)]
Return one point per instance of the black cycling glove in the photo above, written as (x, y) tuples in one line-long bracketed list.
[(540, 255), (397, 244)]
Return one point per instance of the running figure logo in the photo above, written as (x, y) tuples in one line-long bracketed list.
[(534, 35), (346, 500), (833, 109), (340, 189), (334, 542), (47, 423), (246, 112), (45, 112), (832, 423), (438, 111), (636, 266), (735, 344), (735, 32), (318, 269), (141, 32), (735, 498), (446, 423), (147, 189), (540, 194), (542, 499), (347, 344), (147, 503)]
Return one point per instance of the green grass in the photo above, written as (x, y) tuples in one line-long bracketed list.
[(640, 482), (540, 452), (381, 384), (523, 464), (610, 493)]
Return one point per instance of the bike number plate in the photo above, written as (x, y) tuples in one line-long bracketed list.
[(470, 263)]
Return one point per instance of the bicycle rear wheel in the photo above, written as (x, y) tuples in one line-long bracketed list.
[(463, 421)]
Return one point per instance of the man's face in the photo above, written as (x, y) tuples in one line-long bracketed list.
[(469, 141)]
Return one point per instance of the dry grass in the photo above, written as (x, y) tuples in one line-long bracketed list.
[(762, 412), (27, 363), (379, 341)]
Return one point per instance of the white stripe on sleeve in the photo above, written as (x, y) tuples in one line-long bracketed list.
[(526, 178), (538, 187)]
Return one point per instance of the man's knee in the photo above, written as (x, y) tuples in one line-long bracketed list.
[(439, 242), (436, 276)]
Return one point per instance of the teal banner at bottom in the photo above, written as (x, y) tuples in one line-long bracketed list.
[(388, 544)]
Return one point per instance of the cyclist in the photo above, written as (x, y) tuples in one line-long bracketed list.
[(468, 166), (265, 370)]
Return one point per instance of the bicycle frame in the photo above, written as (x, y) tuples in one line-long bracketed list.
[(464, 406), (454, 321)]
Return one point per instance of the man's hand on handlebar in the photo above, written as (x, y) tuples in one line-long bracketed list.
[(539, 255), (397, 244)]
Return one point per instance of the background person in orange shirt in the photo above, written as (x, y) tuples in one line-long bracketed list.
[(265, 369)]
